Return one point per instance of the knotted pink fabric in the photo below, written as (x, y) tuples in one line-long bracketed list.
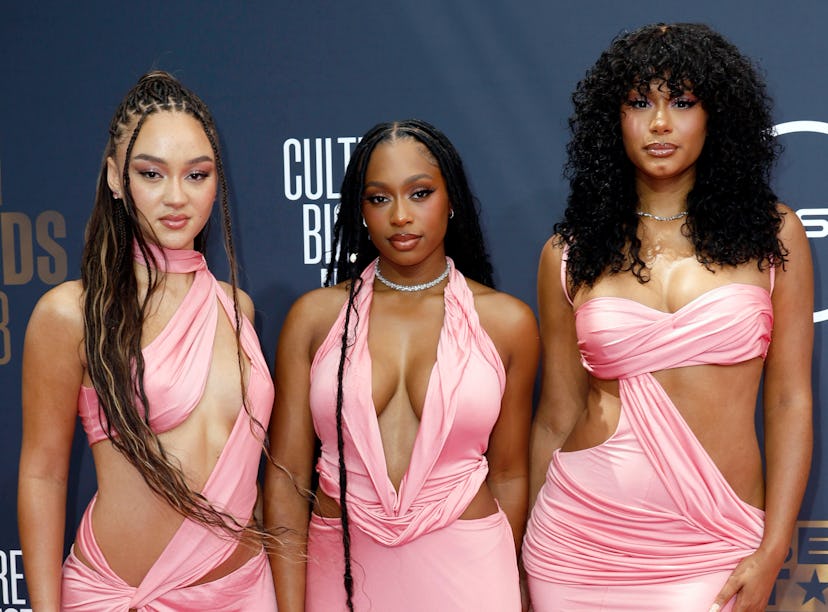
[(461, 406), (178, 363), (647, 508), (409, 550)]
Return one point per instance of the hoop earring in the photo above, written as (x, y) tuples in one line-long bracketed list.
[(364, 224), (451, 213)]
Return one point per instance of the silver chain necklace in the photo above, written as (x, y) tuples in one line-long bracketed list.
[(674, 217), (410, 288)]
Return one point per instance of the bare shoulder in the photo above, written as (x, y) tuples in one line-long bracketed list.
[(499, 307), (792, 232), (323, 303), (554, 247), (56, 325), (312, 315), (794, 278), (552, 254), (60, 308), (508, 320), (245, 302)]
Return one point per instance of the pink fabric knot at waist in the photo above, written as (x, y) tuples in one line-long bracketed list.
[(462, 404)]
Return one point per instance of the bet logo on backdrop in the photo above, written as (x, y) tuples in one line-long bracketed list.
[(814, 219)]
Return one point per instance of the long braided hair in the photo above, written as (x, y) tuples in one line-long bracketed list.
[(114, 312), (732, 215), (463, 243)]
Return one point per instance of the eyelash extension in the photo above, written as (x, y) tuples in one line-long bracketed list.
[(634, 103), (373, 198), (687, 102)]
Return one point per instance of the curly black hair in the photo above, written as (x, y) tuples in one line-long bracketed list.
[(732, 214), (353, 250)]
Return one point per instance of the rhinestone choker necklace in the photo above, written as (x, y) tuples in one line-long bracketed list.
[(410, 288), (674, 217)]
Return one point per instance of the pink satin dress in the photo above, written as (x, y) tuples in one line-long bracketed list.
[(410, 551), (177, 366), (645, 520)]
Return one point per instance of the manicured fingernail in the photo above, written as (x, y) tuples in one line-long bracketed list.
[(714, 608)]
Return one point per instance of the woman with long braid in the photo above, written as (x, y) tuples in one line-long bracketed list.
[(417, 379), (162, 364)]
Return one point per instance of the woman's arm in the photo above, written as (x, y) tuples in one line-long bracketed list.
[(513, 328), (287, 483), (788, 420), (52, 375), (563, 378)]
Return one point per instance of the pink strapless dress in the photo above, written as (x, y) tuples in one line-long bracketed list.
[(646, 521), (410, 551), (177, 365)]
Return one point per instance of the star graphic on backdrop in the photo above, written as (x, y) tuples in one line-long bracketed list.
[(813, 589)]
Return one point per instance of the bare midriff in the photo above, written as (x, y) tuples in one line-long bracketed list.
[(717, 402)]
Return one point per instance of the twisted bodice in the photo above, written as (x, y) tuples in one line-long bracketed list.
[(619, 337)]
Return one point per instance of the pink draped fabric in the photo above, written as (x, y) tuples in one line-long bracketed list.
[(467, 565), (416, 529), (178, 363), (181, 352), (646, 518), (461, 406)]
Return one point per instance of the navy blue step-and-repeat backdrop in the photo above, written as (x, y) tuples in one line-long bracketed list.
[(292, 85)]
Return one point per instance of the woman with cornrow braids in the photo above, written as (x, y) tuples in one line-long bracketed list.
[(416, 376), (163, 366)]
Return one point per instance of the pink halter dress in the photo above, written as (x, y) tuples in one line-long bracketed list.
[(646, 521), (177, 365), (409, 550)]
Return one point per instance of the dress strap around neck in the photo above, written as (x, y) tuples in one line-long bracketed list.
[(174, 261)]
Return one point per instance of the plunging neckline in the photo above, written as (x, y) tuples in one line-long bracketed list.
[(448, 463), (425, 415)]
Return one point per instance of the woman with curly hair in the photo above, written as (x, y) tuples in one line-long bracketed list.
[(672, 270), (416, 376), (163, 366)]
